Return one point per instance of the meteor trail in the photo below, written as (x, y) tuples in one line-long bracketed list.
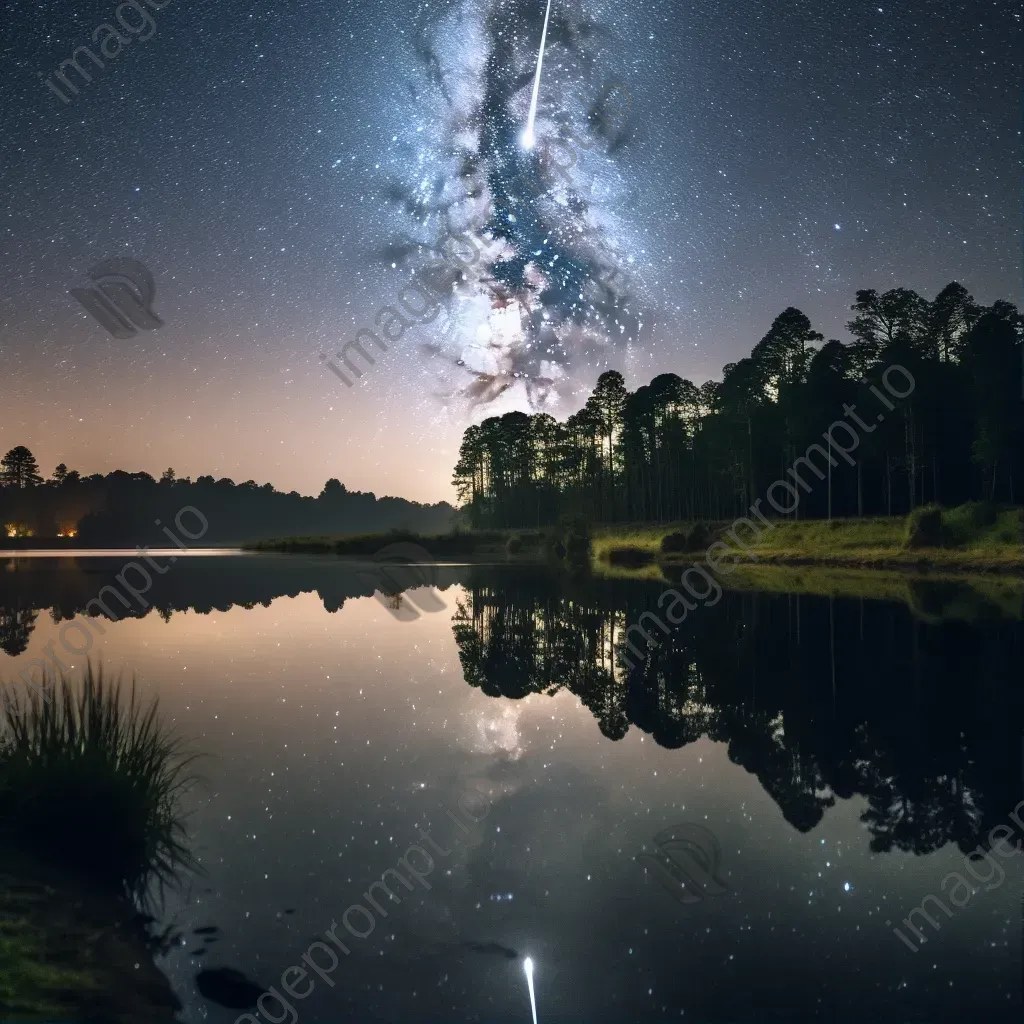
[(528, 136), (528, 967)]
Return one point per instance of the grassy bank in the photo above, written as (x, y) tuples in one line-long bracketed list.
[(974, 538), (969, 538)]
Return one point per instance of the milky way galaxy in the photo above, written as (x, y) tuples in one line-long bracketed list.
[(551, 284)]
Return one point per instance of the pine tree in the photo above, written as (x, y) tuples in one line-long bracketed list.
[(19, 468)]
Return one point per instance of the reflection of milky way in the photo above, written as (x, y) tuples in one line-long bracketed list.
[(498, 733), (549, 290)]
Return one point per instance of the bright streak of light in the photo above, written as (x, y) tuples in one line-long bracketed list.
[(528, 967), (528, 137)]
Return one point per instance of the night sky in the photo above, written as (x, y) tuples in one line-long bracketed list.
[(282, 169)]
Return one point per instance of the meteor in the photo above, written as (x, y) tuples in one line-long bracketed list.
[(528, 963), (528, 137)]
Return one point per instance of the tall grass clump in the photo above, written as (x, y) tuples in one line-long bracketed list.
[(976, 525), (1014, 528), (91, 778), (700, 537), (924, 528), (570, 540), (673, 543), (968, 523)]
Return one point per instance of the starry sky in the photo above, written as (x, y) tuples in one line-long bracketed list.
[(285, 169)]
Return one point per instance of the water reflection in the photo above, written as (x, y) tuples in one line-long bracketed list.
[(16, 625), (70, 585), (820, 699), (840, 752)]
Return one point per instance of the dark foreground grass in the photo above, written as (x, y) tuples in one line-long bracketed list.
[(90, 833), (92, 780), (70, 953)]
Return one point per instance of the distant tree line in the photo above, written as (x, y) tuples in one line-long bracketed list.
[(121, 508), (673, 450)]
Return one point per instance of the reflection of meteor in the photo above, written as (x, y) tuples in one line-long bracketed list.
[(528, 963), (528, 136)]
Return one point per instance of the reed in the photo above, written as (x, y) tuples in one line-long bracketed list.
[(92, 778)]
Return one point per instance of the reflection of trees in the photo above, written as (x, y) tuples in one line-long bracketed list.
[(16, 625), (202, 585), (538, 642), (820, 700)]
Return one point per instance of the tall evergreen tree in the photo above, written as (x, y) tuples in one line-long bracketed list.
[(19, 468)]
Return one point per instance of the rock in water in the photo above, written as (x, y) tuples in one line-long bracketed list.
[(229, 988)]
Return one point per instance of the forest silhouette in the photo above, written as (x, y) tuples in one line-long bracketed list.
[(672, 450), (123, 508)]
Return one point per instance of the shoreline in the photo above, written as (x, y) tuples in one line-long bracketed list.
[(636, 551), (925, 562), (966, 540)]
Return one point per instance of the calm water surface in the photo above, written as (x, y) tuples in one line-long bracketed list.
[(822, 765)]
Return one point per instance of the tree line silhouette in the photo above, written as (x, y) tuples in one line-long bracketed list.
[(122, 508), (673, 450)]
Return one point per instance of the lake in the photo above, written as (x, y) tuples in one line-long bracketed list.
[(731, 832)]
